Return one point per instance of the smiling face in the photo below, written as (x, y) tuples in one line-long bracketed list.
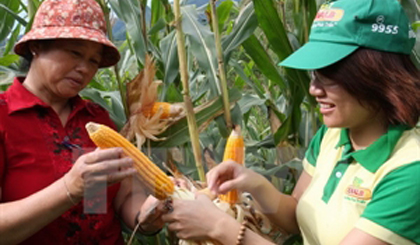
[(64, 67), (339, 108)]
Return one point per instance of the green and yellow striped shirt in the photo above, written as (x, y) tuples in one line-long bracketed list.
[(375, 189)]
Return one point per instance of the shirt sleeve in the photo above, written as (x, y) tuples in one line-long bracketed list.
[(2, 159), (393, 213), (311, 155), (2, 142)]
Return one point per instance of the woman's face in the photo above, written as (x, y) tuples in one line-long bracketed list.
[(339, 108), (65, 67)]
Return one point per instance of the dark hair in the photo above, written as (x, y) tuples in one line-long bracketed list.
[(26, 60), (387, 82)]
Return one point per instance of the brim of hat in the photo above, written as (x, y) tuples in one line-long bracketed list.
[(110, 57), (316, 55)]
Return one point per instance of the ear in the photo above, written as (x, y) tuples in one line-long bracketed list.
[(34, 48)]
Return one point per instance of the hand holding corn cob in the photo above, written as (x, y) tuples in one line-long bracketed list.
[(97, 167), (233, 203)]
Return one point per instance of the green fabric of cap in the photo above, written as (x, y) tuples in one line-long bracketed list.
[(342, 26)]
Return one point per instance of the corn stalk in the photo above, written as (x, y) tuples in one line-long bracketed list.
[(222, 72), (143, 22), (192, 124), (117, 75)]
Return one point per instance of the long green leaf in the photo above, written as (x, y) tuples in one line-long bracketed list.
[(412, 9), (9, 59), (245, 25), (6, 77), (12, 40), (158, 11), (156, 28), (311, 11), (416, 26), (11, 10), (223, 12), (273, 27), (129, 12), (240, 72), (262, 59), (158, 17), (8, 15), (178, 134), (168, 47), (283, 131), (292, 122), (33, 6), (276, 34), (202, 46), (115, 108), (23, 5), (249, 100), (237, 119)]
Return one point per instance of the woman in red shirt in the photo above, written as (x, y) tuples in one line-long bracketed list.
[(48, 164)]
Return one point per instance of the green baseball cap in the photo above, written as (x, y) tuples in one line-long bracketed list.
[(341, 27)]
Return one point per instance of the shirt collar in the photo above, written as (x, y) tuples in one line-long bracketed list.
[(19, 98), (372, 157)]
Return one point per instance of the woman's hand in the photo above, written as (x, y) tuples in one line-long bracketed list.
[(97, 167), (152, 209), (150, 218), (196, 219), (230, 175)]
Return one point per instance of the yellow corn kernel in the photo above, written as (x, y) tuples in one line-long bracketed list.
[(155, 180), (234, 150), (152, 110), (167, 110)]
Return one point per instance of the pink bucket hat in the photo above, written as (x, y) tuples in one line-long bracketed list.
[(70, 19)]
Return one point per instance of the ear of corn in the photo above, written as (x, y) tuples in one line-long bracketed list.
[(234, 150), (167, 110), (152, 110), (155, 180)]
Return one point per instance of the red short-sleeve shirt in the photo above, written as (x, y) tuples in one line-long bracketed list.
[(36, 150)]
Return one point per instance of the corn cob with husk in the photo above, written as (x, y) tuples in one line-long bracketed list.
[(158, 183), (148, 117)]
